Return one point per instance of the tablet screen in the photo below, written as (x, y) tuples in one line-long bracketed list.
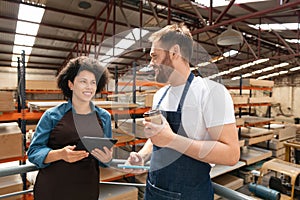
[(89, 143)]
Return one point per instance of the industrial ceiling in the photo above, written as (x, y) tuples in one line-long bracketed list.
[(67, 31)]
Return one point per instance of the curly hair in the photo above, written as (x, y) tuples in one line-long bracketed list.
[(77, 65)]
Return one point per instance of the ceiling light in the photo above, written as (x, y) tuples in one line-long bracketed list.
[(230, 37), (278, 27), (295, 68), (296, 41), (230, 53), (83, 5)]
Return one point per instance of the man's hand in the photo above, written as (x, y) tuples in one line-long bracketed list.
[(160, 135), (134, 159)]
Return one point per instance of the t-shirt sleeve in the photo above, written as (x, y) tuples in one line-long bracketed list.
[(218, 107)]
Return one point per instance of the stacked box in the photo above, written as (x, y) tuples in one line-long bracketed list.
[(288, 131), (7, 101), (10, 184), (127, 126), (297, 126), (282, 133), (11, 142), (117, 192), (228, 181), (41, 85)]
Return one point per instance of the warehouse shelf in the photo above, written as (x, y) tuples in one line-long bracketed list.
[(249, 88), (222, 169), (142, 83), (43, 91), (14, 115), (19, 158), (251, 104), (248, 127)]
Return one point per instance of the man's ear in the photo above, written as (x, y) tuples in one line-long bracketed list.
[(175, 51)]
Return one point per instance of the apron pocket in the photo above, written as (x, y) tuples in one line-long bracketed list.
[(153, 192)]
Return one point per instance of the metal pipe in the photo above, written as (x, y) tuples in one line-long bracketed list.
[(218, 189), (17, 169), (4, 196), (230, 194)]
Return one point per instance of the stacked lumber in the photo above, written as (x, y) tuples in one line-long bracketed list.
[(250, 154), (115, 192), (282, 133), (253, 135), (228, 181), (248, 82), (297, 126)]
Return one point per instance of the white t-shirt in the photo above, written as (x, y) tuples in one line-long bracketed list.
[(207, 104)]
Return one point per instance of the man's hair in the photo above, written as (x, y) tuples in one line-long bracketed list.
[(174, 34), (77, 65)]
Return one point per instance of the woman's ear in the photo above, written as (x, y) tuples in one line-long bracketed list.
[(70, 84)]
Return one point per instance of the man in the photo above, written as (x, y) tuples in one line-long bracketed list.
[(198, 123)]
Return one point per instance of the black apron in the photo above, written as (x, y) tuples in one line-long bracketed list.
[(173, 175), (70, 181)]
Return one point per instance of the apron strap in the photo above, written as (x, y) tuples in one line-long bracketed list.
[(186, 88), (163, 96)]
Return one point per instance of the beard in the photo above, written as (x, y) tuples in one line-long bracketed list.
[(164, 70)]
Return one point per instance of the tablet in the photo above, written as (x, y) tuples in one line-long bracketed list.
[(89, 143), (133, 167)]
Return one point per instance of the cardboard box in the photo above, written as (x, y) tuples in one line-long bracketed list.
[(41, 85), (126, 126), (11, 142), (7, 101), (117, 192), (9, 184), (149, 100)]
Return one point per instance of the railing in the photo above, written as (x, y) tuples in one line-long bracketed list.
[(20, 169)]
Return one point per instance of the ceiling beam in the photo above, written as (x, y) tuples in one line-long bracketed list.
[(242, 18)]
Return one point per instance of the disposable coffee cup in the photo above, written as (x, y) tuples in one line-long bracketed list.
[(153, 116)]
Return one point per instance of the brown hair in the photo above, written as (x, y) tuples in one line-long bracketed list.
[(174, 34), (75, 66)]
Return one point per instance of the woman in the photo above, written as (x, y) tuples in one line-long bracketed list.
[(66, 173)]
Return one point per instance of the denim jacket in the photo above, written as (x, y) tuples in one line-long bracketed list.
[(39, 150)]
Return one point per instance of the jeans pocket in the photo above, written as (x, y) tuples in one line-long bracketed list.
[(156, 193)]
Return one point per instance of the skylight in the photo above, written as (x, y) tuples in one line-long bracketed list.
[(295, 41), (295, 68), (124, 44), (265, 70), (230, 53), (22, 39), (239, 68), (278, 27), (218, 58), (218, 3)]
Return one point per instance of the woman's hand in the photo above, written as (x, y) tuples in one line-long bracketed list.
[(104, 156), (70, 155)]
